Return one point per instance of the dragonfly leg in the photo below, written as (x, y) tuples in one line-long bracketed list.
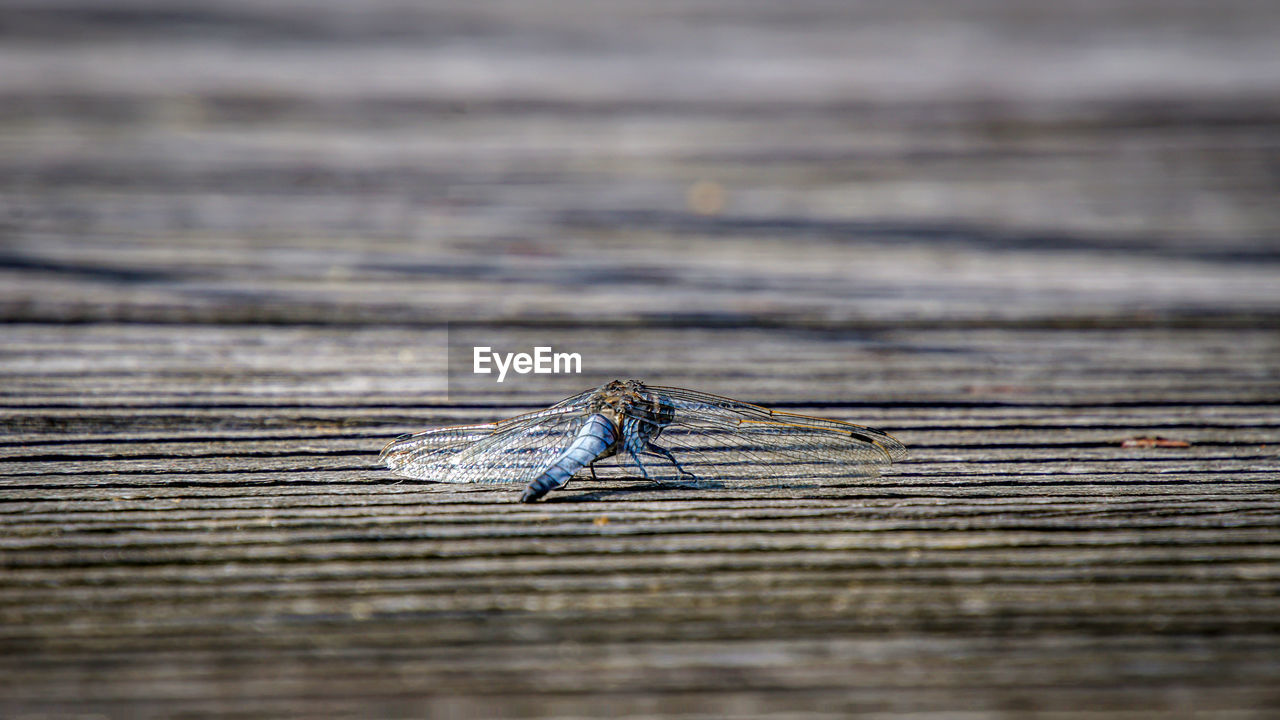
[(659, 450), (592, 468), (639, 464)]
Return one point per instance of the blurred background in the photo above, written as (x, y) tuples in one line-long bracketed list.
[(634, 164), (238, 239)]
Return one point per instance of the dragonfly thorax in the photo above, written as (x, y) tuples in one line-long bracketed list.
[(618, 398)]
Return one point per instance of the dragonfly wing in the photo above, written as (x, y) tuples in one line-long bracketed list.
[(716, 436), (582, 399), (512, 451)]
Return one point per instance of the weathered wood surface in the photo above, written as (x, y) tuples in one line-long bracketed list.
[(232, 235)]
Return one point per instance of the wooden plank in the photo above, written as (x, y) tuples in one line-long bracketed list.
[(1020, 534), (197, 368)]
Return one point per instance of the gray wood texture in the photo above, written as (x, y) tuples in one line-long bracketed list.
[(238, 239)]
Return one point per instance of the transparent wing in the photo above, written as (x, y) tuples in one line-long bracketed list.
[(718, 437), (516, 450)]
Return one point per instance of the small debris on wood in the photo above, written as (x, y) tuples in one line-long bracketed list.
[(1153, 441)]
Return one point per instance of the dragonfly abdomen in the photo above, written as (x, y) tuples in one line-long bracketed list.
[(595, 437)]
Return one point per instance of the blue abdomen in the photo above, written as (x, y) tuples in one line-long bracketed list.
[(596, 436)]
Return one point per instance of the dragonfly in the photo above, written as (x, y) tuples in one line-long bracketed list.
[(658, 433)]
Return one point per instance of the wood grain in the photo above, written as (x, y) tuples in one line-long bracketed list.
[(238, 240)]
